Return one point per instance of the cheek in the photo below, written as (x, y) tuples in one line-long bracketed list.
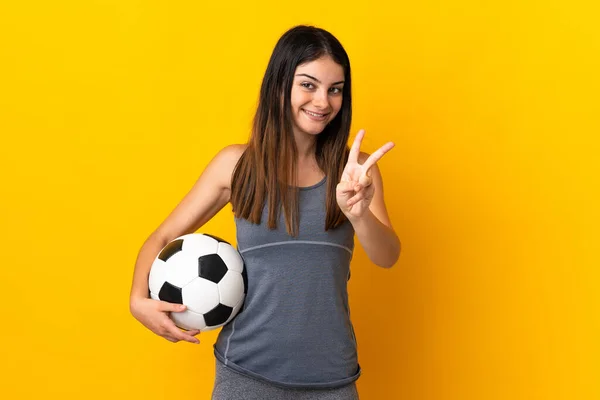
[(336, 105), (299, 99)]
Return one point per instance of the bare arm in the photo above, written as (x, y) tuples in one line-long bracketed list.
[(206, 198), (360, 197), (374, 229)]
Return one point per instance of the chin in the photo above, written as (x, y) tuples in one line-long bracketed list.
[(314, 131), (311, 132), (311, 129)]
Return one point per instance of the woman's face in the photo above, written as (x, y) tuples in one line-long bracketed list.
[(316, 95)]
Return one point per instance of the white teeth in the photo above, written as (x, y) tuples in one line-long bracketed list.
[(313, 114)]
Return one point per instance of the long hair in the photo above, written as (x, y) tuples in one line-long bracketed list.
[(267, 168)]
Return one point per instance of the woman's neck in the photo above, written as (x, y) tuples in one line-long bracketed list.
[(306, 145)]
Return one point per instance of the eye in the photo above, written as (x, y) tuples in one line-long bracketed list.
[(336, 90), (307, 85)]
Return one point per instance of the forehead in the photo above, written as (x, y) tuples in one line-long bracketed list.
[(324, 69)]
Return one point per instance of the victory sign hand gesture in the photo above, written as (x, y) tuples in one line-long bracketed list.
[(355, 190)]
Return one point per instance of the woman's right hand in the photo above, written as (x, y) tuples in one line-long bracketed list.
[(154, 315)]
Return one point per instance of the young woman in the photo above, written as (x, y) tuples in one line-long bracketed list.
[(299, 196)]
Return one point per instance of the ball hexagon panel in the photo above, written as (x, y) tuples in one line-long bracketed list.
[(230, 256), (218, 239), (201, 295), (158, 276), (188, 319), (231, 288), (181, 268), (199, 244)]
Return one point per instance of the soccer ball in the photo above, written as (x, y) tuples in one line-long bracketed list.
[(206, 274)]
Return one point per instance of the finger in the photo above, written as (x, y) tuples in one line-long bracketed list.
[(364, 180), (355, 199), (345, 187), (178, 334), (170, 338), (173, 307), (361, 195), (376, 156), (355, 149), (168, 328)]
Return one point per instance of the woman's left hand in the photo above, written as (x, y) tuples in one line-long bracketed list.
[(355, 190)]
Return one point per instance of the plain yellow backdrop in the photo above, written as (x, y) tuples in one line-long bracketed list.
[(109, 110)]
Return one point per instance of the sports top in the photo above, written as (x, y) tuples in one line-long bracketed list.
[(294, 329)]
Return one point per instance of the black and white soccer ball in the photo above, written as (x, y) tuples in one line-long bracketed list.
[(205, 273)]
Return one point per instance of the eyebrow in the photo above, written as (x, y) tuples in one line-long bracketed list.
[(312, 77)]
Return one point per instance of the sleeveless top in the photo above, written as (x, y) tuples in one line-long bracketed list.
[(294, 329)]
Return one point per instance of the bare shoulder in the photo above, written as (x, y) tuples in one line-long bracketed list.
[(225, 161), (234, 151), (207, 196)]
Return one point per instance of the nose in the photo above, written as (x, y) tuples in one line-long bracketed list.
[(321, 99)]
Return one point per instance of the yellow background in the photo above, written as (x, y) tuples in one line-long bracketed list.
[(109, 110)]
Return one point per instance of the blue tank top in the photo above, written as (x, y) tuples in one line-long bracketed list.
[(294, 329)]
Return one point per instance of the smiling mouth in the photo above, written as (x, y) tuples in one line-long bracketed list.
[(315, 115)]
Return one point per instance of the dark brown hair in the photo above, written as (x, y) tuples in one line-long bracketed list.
[(267, 168)]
